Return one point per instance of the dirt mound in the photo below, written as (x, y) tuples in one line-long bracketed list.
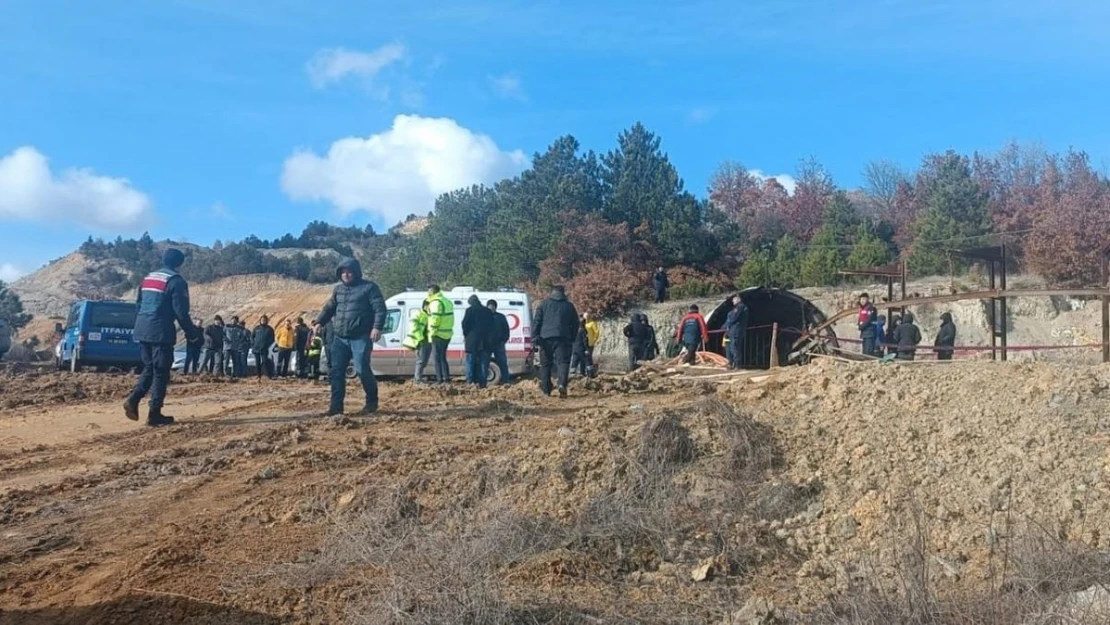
[(975, 452), (26, 386)]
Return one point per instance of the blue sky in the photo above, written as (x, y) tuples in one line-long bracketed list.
[(215, 119)]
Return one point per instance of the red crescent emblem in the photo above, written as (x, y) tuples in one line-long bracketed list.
[(514, 321)]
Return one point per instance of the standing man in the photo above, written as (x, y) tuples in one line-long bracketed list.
[(500, 339), (691, 333), (163, 298), (478, 329), (231, 348), (638, 336), (593, 335), (946, 338), (245, 342), (907, 336), (554, 327), (214, 347), (417, 341), (866, 322), (286, 340), (357, 312), (194, 347), (262, 341), (441, 327), (300, 347), (661, 283), (315, 349), (736, 330)]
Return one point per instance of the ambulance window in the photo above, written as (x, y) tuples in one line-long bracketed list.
[(458, 302), (392, 320), (516, 303)]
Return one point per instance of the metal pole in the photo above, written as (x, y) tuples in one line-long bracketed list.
[(1002, 304), (991, 318), (1105, 308), (903, 309), (774, 345)]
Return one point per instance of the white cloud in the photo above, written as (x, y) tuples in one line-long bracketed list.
[(334, 64), (29, 191), (701, 114), (400, 171), (10, 273), (215, 211), (508, 86), (786, 180)]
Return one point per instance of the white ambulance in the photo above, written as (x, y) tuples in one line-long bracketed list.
[(390, 358)]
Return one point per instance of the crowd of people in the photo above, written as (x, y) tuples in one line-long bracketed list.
[(901, 337), (225, 348)]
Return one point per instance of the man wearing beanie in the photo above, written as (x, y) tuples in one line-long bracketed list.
[(163, 298)]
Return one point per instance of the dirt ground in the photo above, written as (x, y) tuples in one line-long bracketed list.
[(780, 495)]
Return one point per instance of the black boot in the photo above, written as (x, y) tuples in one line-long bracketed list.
[(155, 419), (368, 409), (130, 410)]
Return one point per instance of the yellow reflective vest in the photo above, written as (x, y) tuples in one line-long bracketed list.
[(418, 331), (315, 346), (441, 317)]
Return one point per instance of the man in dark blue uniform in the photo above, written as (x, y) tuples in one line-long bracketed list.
[(163, 298)]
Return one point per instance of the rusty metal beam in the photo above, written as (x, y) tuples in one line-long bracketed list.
[(957, 297)]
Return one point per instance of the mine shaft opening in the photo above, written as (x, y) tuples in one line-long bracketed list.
[(766, 307)]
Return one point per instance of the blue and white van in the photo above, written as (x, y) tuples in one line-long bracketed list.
[(99, 334)]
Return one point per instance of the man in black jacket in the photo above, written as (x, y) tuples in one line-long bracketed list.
[(194, 350), (300, 346), (163, 298), (478, 332), (639, 338), (262, 341), (660, 282), (736, 330), (356, 311), (554, 327), (946, 338), (500, 339), (214, 347), (231, 348), (907, 336)]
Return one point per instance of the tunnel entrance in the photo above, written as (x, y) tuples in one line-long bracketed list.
[(767, 306)]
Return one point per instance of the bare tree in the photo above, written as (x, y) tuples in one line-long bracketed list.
[(881, 182)]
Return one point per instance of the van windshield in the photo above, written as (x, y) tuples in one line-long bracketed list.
[(118, 316)]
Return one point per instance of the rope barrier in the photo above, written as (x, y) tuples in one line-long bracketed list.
[(984, 348)]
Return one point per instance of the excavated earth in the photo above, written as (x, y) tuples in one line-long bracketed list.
[(637, 499)]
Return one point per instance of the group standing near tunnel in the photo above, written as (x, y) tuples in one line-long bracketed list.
[(354, 316)]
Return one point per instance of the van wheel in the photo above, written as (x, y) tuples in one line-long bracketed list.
[(495, 374)]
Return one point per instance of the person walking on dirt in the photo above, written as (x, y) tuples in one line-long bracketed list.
[(441, 327), (214, 347), (262, 341), (554, 327), (692, 333), (163, 299), (865, 320), (300, 346), (945, 342), (907, 336), (286, 339), (356, 312), (417, 340), (501, 333), (231, 348), (194, 348), (736, 331), (660, 282), (638, 336), (478, 329)]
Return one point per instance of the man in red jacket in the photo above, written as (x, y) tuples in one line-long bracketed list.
[(692, 332)]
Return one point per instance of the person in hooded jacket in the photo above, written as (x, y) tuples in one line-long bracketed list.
[(908, 337), (245, 342), (736, 331), (692, 332), (301, 333), (554, 327), (865, 320), (357, 313), (262, 341), (639, 338), (417, 340), (163, 298), (945, 342), (478, 330)]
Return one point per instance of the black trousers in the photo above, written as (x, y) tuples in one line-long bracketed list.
[(691, 353), (157, 360), (192, 360), (554, 353), (213, 361), (302, 363), (944, 355), (635, 353), (283, 361), (262, 362)]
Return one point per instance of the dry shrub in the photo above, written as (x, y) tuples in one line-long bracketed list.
[(1034, 581), (605, 288), (687, 282)]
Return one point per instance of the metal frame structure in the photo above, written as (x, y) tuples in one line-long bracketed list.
[(995, 259)]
